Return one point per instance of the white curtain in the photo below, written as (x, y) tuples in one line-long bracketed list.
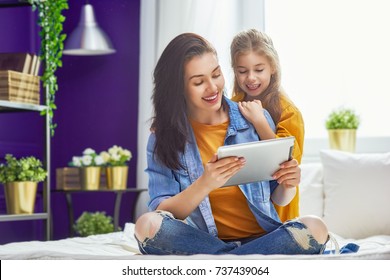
[(216, 20), (334, 53)]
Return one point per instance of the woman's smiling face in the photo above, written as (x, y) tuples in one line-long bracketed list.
[(204, 83)]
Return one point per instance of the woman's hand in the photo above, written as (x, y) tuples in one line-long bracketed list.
[(289, 174), (288, 177), (218, 172)]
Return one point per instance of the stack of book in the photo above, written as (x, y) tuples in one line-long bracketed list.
[(19, 80), (27, 63)]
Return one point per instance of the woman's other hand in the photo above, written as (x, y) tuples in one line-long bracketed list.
[(289, 174), (218, 172)]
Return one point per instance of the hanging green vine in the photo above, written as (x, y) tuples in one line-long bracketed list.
[(51, 20)]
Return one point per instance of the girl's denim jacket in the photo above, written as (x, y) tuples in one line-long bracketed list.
[(165, 182)]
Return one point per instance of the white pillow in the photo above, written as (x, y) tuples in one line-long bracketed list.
[(311, 193), (357, 193)]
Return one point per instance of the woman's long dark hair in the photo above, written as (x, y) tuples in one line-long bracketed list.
[(169, 122)]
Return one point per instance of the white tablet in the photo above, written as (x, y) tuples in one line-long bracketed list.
[(263, 158)]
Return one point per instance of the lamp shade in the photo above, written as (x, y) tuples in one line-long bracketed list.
[(88, 38)]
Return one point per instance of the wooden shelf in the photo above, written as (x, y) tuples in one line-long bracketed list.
[(13, 3), (9, 106), (23, 217), (117, 205)]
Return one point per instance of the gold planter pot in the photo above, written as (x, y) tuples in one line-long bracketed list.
[(20, 197), (342, 139), (89, 177), (117, 177)]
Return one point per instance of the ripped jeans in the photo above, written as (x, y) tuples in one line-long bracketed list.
[(177, 238)]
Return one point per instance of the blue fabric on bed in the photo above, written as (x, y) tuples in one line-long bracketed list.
[(349, 248)]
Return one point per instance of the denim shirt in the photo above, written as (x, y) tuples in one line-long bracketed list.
[(165, 182)]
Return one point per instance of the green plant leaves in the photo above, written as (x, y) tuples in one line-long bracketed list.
[(51, 22), (93, 223), (342, 119), (25, 169)]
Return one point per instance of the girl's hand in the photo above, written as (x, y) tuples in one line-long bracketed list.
[(252, 110), (289, 174), (218, 172)]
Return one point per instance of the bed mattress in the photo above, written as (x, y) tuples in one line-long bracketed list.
[(122, 245)]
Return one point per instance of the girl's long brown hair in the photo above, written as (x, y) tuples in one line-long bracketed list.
[(260, 43)]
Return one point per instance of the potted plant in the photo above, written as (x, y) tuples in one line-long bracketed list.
[(89, 165), (115, 159), (342, 125), (93, 223), (20, 178)]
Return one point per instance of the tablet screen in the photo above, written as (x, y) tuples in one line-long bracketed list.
[(263, 158)]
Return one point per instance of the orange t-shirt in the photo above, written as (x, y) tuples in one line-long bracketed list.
[(231, 212)]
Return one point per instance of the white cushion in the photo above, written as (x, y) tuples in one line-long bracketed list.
[(311, 194), (357, 193)]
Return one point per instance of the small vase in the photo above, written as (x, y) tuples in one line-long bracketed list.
[(90, 177), (342, 139), (20, 197), (117, 177)]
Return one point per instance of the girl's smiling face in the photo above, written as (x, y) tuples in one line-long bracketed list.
[(204, 83), (253, 73)]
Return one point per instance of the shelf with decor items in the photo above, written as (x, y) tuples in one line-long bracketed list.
[(117, 204), (7, 107), (93, 173), (29, 103)]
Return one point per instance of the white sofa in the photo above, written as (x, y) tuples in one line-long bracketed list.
[(351, 192)]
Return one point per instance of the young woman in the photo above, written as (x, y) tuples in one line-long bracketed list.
[(256, 86), (191, 213)]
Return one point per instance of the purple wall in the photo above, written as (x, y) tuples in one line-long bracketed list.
[(97, 107)]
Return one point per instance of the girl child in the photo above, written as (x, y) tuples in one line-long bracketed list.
[(190, 212), (256, 86)]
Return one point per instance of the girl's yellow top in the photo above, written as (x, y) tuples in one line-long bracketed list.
[(290, 124)]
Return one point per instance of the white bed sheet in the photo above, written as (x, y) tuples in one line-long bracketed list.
[(122, 245)]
